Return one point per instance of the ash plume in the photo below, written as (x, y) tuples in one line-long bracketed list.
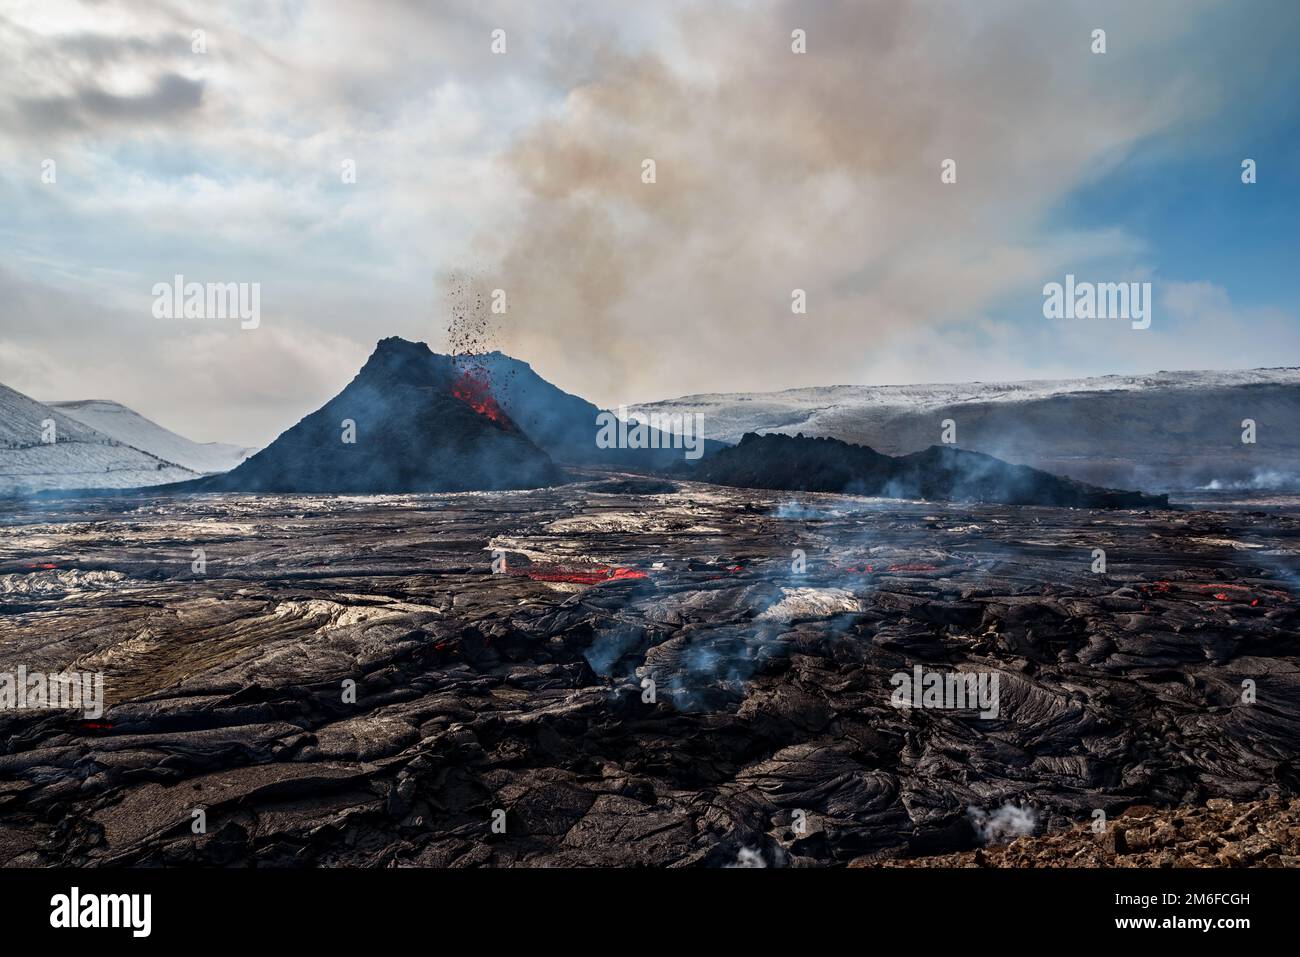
[(815, 171)]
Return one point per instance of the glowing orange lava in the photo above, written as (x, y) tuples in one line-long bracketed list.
[(1217, 590), (593, 575), (474, 388)]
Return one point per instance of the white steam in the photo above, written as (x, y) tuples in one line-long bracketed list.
[(1007, 823)]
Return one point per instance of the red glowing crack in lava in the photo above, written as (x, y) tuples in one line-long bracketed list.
[(1220, 591)]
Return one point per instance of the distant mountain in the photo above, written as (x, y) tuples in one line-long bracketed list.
[(508, 391), (80, 456), (421, 422), (417, 423), (130, 428), (1167, 430), (796, 463)]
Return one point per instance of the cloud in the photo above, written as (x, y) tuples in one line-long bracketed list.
[(81, 338), (775, 171), (818, 172), (170, 96)]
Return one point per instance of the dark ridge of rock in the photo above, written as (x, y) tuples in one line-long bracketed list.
[(795, 463), (1165, 430), (633, 486), (421, 425)]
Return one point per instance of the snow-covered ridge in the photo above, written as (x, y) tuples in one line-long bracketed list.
[(1160, 432), (22, 422), (131, 428), (97, 445), (728, 415)]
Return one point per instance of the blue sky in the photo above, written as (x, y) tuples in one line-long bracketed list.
[(1187, 199), (522, 171), (1199, 221)]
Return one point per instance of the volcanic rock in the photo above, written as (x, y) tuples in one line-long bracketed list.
[(418, 423), (771, 733), (1218, 834), (796, 463), (631, 486), (1157, 430)]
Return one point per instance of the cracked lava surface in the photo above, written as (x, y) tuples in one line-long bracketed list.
[(526, 690)]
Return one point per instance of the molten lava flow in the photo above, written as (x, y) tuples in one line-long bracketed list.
[(1218, 591), (731, 570), (474, 388), (593, 575), (621, 573)]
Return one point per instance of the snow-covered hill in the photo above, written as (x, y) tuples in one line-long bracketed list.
[(1167, 430), (80, 456), (131, 428)]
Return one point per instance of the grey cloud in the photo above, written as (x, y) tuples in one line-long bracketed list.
[(101, 49), (172, 95)]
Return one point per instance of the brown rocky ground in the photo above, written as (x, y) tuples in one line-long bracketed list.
[(1221, 833)]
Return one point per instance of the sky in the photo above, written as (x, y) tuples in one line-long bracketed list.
[(220, 156)]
